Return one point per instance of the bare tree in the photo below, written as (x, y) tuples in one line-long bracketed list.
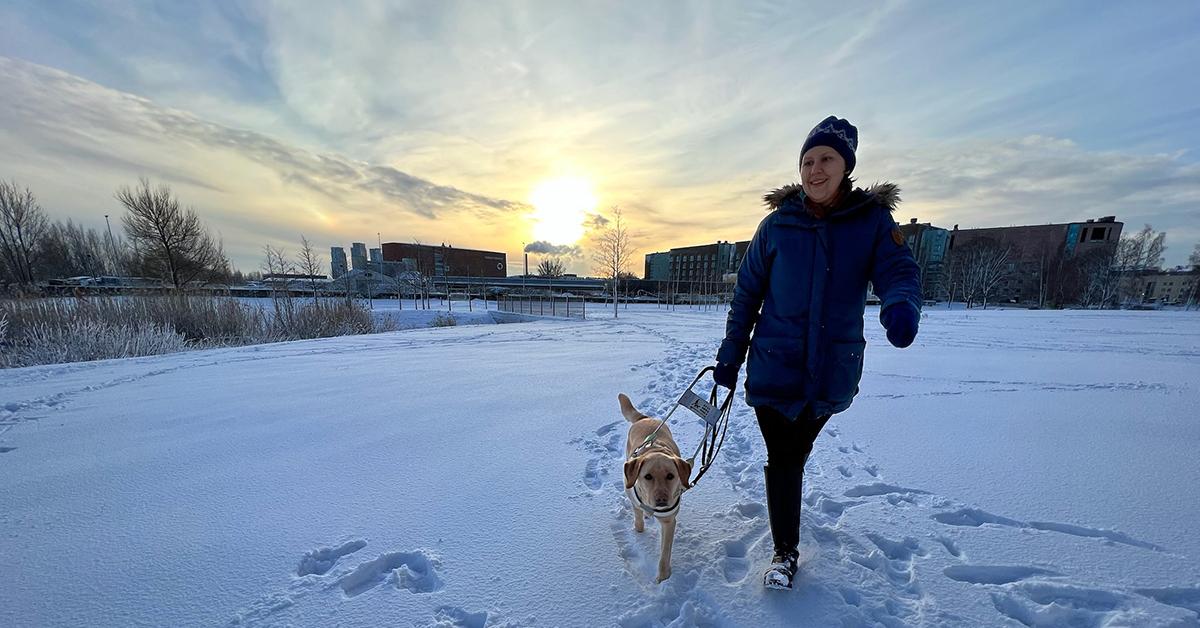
[(1136, 254), (951, 276), (23, 225), (309, 263), (172, 239), (1099, 277), (69, 250), (1194, 260), (982, 265), (551, 267), (278, 265), (1048, 269), (614, 252)]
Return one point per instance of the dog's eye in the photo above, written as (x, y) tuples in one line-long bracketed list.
[(649, 477), (670, 476)]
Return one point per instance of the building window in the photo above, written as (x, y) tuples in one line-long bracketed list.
[(1097, 234)]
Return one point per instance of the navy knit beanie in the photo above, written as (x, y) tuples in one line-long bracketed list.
[(836, 133)]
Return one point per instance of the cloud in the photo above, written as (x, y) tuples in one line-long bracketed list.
[(67, 114), (1038, 179), (546, 248)]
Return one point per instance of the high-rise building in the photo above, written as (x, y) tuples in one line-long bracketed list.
[(358, 256), (337, 261), (929, 245)]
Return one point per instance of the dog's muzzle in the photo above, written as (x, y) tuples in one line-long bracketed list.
[(658, 513)]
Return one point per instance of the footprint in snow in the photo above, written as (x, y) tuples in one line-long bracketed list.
[(1040, 603), (321, 560), (993, 574), (454, 617), (415, 571), (973, 517), (879, 488), (1182, 597)]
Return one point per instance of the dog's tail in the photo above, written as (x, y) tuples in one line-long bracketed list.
[(631, 413)]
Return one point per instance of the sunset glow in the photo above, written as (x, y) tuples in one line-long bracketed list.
[(560, 209)]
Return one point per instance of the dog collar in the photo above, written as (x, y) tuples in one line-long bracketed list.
[(658, 513)]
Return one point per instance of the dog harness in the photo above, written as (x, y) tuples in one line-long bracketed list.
[(716, 423)]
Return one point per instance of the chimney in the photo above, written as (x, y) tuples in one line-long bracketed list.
[(912, 221)]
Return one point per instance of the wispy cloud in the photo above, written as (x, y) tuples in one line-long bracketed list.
[(92, 127), (442, 116)]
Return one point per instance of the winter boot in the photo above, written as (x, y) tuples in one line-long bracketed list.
[(783, 510)]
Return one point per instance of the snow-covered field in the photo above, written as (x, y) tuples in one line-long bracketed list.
[(1011, 468)]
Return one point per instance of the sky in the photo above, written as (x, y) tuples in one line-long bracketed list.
[(454, 122)]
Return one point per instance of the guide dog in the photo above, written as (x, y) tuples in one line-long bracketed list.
[(655, 478)]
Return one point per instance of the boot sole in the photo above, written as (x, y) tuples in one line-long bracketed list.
[(776, 586)]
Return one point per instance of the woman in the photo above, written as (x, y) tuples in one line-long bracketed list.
[(802, 290)]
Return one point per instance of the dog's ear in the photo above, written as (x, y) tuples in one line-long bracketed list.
[(685, 471), (632, 469)]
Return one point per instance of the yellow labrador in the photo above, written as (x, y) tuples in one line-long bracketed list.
[(654, 479)]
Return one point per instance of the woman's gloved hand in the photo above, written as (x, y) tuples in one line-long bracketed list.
[(901, 321), (725, 374)]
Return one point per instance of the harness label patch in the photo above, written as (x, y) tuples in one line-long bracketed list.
[(701, 407), (897, 236)]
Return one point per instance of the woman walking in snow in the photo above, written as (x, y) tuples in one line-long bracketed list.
[(801, 289)]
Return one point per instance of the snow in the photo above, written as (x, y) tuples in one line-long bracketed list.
[(1011, 468)]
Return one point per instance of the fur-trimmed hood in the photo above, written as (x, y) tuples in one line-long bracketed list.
[(885, 194)]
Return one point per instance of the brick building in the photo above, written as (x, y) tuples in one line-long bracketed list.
[(445, 260), (1037, 253)]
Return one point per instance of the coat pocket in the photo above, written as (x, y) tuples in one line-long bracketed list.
[(843, 370), (776, 368)]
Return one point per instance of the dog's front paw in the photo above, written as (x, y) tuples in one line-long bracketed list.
[(663, 574)]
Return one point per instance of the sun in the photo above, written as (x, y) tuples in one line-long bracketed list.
[(560, 209)]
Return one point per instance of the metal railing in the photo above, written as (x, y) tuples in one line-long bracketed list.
[(563, 307)]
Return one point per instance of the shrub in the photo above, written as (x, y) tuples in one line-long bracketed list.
[(49, 331), (82, 340), (443, 320)]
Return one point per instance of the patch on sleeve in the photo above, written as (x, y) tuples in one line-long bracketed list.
[(897, 236)]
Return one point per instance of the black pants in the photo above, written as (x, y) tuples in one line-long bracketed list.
[(788, 442)]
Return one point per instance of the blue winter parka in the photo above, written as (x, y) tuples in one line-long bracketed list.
[(802, 290)]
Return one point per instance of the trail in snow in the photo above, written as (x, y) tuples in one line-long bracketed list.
[(862, 545)]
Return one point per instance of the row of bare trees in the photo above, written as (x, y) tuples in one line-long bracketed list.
[(163, 240), (976, 272), (1108, 275)]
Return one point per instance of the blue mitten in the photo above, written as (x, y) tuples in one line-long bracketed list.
[(901, 320)]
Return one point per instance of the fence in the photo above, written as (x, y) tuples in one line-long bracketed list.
[(567, 307)]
